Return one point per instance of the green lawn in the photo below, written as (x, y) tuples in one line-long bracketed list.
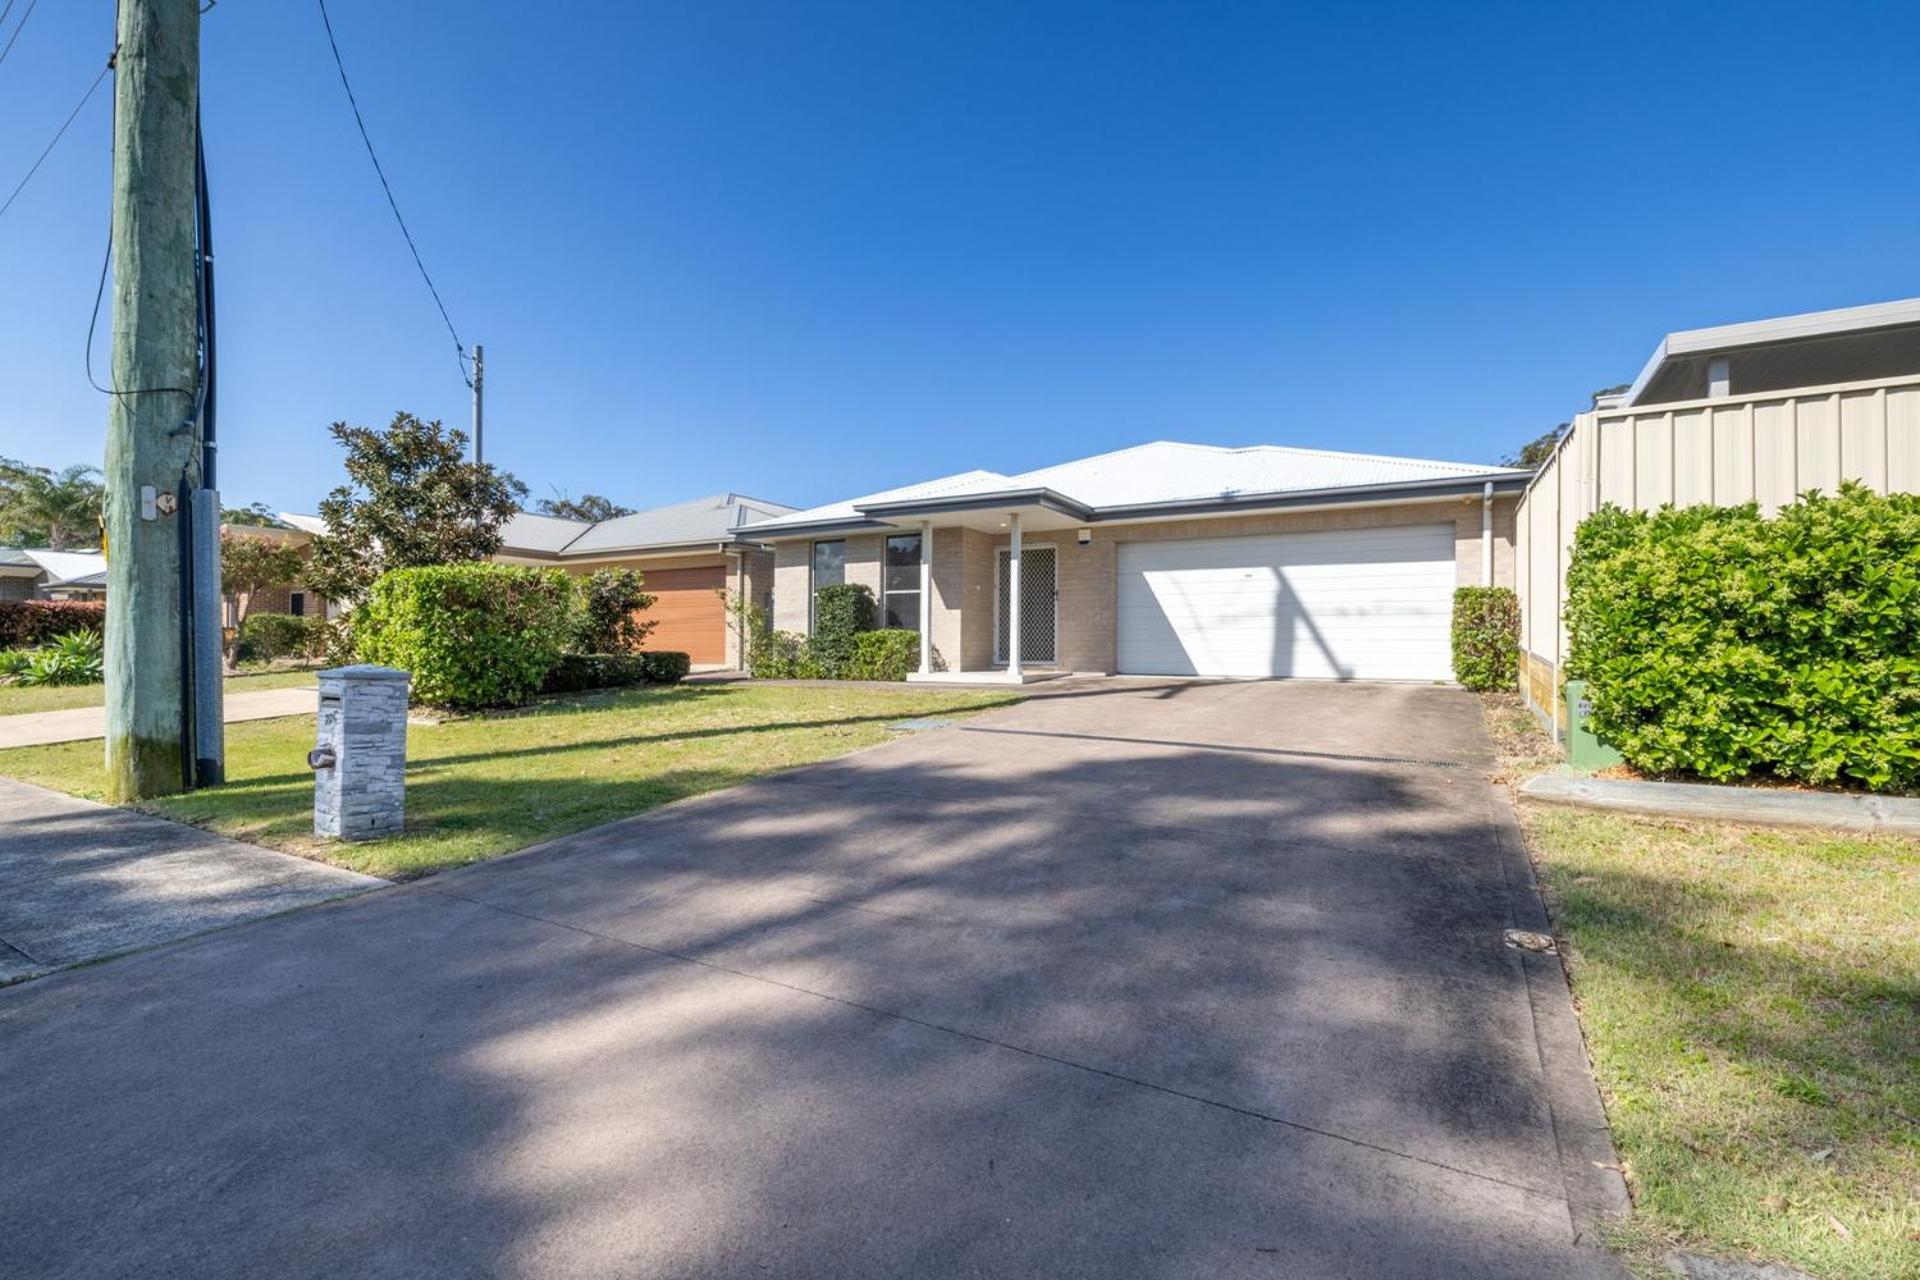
[(483, 786), (1751, 999), (16, 700)]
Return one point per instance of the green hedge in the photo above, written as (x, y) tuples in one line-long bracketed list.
[(840, 614), (577, 671), (782, 655), (266, 636), (24, 623), (884, 655), (1486, 637), (473, 635), (1719, 642), (665, 666)]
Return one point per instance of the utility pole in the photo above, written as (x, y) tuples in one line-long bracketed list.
[(151, 447), (479, 396)]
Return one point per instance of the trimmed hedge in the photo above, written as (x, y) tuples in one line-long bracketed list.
[(884, 655), (576, 672), (1719, 642), (665, 666), (473, 635), (1486, 637), (32, 622), (266, 636), (840, 614)]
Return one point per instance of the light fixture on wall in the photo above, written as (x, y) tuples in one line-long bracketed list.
[(1085, 537)]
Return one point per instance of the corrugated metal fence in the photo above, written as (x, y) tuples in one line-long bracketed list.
[(1768, 448)]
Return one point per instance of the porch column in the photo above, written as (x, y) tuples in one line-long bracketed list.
[(926, 597), (1013, 596)]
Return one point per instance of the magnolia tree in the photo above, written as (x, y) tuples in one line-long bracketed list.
[(412, 498), (248, 566)]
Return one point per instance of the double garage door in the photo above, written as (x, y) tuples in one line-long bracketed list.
[(1356, 604)]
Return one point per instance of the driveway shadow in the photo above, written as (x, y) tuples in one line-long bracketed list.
[(969, 1004)]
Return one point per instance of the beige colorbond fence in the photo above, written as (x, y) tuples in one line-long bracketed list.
[(1768, 448)]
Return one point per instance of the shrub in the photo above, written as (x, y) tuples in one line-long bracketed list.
[(1486, 637), (25, 623), (884, 655), (266, 636), (473, 635), (609, 601), (665, 666), (578, 671), (13, 662), (840, 613), (75, 658), (1719, 642), (782, 655)]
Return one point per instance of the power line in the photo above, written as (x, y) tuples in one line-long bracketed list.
[(59, 134), (18, 27), (459, 347)]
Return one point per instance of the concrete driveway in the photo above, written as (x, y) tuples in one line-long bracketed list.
[(1145, 979)]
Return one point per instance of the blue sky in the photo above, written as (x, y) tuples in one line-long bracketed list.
[(809, 250)]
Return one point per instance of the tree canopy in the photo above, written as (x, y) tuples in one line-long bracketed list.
[(258, 514), (589, 507), (40, 507), (412, 498)]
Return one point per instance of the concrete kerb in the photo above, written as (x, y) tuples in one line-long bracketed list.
[(1762, 806), (1596, 1189)]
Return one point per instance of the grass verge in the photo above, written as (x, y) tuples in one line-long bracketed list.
[(489, 784), (18, 700), (1751, 1000)]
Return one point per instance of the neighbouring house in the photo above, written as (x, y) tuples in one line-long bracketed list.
[(687, 553), (35, 573), (1166, 559), (1757, 412), (294, 598)]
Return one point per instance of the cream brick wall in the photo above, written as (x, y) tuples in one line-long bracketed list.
[(961, 612), (793, 577), (792, 565), (749, 578)]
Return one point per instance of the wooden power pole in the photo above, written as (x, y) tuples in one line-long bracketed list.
[(152, 454)]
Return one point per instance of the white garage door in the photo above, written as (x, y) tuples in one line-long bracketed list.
[(1355, 604)]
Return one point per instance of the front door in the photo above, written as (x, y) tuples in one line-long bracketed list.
[(1039, 605)]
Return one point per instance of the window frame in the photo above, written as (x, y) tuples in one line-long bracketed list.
[(919, 605), (813, 573)]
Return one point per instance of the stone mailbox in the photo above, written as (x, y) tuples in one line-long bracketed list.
[(360, 757)]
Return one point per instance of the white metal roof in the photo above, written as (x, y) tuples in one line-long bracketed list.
[(1165, 471), (61, 567)]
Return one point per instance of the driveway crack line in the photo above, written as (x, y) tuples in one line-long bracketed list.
[(1037, 1054)]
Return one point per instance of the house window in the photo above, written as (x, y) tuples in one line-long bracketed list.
[(297, 604), (829, 570), (900, 583)]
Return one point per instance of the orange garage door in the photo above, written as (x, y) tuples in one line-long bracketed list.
[(687, 611)]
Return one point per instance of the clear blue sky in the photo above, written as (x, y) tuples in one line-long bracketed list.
[(810, 250)]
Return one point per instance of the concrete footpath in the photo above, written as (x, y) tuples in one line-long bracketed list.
[(78, 724), (80, 881)]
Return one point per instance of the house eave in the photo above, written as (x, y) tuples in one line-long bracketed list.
[(1046, 499), (1503, 482)]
